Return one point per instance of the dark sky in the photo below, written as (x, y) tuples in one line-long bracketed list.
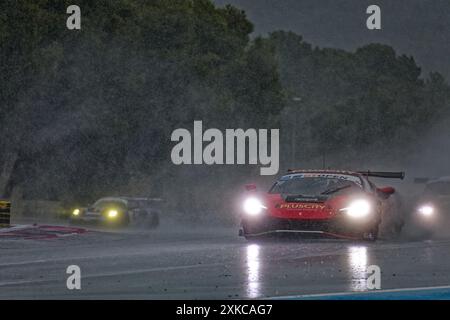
[(420, 28)]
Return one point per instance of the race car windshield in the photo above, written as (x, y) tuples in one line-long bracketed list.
[(102, 204), (312, 186)]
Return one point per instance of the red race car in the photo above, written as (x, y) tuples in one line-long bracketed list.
[(325, 202)]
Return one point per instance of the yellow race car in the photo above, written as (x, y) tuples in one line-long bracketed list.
[(120, 211)]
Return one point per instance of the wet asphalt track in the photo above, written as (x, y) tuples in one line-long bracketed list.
[(176, 263)]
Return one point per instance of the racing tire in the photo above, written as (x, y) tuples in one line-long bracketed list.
[(247, 230), (244, 234), (252, 239), (123, 222), (255, 234)]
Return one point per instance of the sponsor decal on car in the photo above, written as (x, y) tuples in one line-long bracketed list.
[(307, 206)]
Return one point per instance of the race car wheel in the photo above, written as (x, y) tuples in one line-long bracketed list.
[(252, 230), (243, 232), (122, 222), (248, 236), (248, 229)]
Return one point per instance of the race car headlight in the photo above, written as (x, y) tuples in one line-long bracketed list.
[(112, 213), (358, 209), (426, 210), (76, 212), (253, 206)]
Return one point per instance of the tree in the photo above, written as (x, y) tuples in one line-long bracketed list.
[(88, 111), (369, 99)]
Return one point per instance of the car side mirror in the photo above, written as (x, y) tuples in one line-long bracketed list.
[(386, 192), (250, 187)]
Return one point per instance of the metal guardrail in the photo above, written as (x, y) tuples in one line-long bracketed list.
[(5, 213)]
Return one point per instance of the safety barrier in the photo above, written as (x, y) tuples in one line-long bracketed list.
[(5, 213)]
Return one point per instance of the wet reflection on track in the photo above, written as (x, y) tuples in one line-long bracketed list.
[(253, 270), (357, 259)]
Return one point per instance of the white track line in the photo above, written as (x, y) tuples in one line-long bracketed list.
[(359, 293)]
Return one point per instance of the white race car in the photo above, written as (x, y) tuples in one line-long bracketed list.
[(431, 211), (120, 211)]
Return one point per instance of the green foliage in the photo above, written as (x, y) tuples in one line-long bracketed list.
[(353, 101), (89, 110)]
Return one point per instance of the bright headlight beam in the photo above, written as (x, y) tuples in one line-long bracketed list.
[(426, 210), (358, 209), (76, 212), (253, 206), (112, 213)]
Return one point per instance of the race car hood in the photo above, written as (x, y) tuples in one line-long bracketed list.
[(313, 208)]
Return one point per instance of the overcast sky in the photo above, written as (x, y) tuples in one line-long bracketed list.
[(420, 28)]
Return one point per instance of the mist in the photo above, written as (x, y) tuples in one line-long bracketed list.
[(94, 114)]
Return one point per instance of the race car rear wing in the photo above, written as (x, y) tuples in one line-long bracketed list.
[(5, 213), (383, 174), (368, 173)]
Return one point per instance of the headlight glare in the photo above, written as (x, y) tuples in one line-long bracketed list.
[(112, 213), (76, 212), (253, 206), (358, 209), (426, 210)]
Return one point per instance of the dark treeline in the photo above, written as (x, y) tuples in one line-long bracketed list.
[(89, 113), (349, 101)]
